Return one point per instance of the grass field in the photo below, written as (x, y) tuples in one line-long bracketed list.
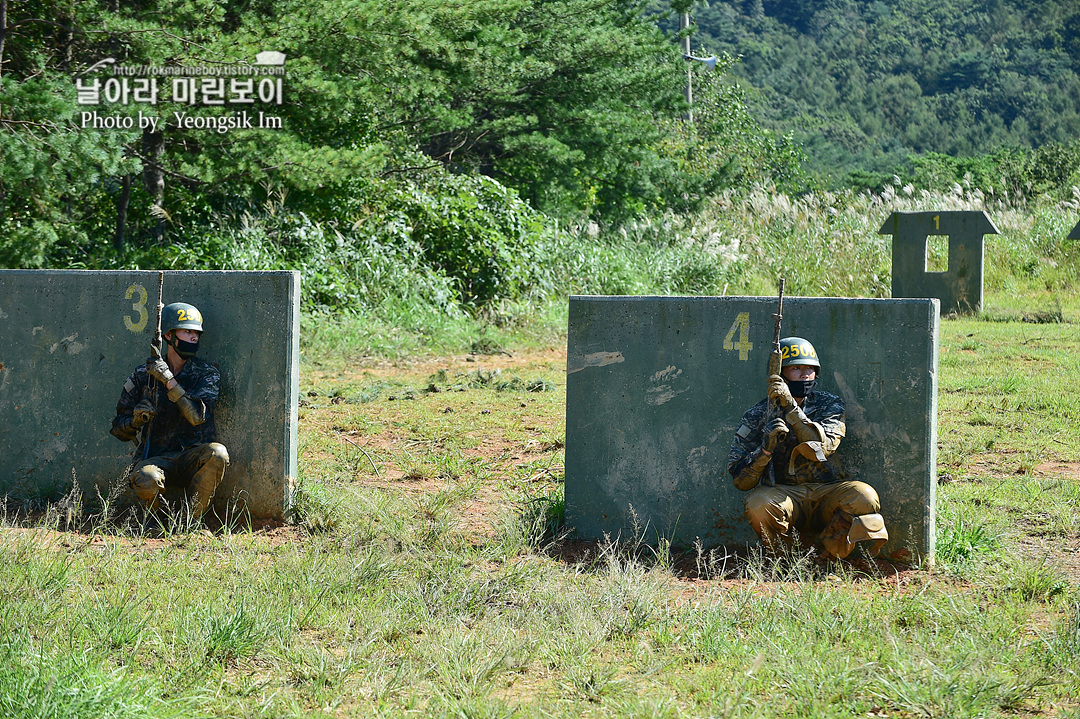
[(424, 573)]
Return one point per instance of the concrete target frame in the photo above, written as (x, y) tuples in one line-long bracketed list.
[(69, 339), (656, 387), (960, 287)]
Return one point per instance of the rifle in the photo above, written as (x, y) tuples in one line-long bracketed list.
[(774, 368), (155, 344), (155, 353)]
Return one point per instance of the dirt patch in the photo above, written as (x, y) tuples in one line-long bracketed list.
[(480, 514), (383, 369), (1059, 470), (1062, 554)]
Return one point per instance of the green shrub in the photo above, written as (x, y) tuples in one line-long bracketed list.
[(478, 233), (543, 518)]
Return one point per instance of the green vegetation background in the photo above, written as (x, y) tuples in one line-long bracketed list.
[(865, 86), (448, 166)]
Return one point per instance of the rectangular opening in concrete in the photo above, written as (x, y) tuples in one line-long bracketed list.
[(937, 253)]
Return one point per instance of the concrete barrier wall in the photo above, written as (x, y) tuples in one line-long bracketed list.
[(960, 287), (69, 339), (656, 387)]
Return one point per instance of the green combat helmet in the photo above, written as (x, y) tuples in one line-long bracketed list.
[(182, 316), (797, 351)]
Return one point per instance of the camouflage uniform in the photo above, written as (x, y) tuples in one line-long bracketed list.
[(796, 491), (180, 454)]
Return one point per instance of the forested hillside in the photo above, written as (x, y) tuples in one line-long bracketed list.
[(863, 84)]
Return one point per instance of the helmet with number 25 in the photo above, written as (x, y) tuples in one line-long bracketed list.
[(797, 351), (180, 316)]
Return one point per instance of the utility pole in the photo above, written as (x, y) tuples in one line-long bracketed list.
[(684, 29)]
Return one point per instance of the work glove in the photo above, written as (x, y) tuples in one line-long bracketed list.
[(143, 414), (776, 432), (779, 392), (159, 370)]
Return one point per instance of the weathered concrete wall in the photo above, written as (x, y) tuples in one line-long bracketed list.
[(656, 387), (69, 339), (960, 288)]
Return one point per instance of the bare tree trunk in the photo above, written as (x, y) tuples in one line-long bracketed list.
[(121, 213), (3, 37), (65, 37), (153, 143), (124, 201), (3, 33)]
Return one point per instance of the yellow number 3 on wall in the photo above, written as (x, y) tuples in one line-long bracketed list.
[(139, 305)]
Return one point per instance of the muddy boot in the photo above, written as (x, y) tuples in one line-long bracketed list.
[(834, 538), (869, 528)]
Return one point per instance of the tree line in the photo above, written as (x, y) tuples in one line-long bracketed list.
[(575, 105), (865, 85), (439, 148)]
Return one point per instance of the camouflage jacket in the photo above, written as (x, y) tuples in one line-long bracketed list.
[(821, 407), (169, 431)]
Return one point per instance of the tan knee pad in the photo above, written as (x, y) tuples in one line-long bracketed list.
[(869, 527), (218, 454), (866, 500), (148, 481), (212, 468), (765, 514), (843, 532)]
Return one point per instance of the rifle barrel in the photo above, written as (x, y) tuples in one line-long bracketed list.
[(779, 315), (155, 344)]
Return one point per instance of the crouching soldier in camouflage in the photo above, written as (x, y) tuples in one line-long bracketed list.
[(782, 457), (167, 407)]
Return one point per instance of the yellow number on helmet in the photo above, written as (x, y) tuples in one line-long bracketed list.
[(181, 316)]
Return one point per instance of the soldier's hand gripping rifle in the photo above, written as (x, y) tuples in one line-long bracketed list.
[(775, 426)]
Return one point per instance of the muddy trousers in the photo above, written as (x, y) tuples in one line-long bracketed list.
[(197, 469), (838, 514)]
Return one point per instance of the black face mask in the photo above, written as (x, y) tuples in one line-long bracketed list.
[(800, 388), (187, 350)]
